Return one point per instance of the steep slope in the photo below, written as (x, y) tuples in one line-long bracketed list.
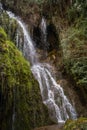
[(20, 100), (70, 22), (75, 57), (71, 25)]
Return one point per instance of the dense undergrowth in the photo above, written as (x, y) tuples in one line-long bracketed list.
[(74, 45)]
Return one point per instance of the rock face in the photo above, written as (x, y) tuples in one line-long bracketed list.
[(73, 60), (21, 104), (32, 13), (72, 45)]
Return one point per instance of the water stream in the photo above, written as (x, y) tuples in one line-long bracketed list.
[(43, 27), (60, 108)]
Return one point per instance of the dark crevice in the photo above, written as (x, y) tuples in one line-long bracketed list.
[(52, 39)]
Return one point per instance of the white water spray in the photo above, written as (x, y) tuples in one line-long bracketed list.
[(52, 93), (43, 27), (1, 7), (29, 51)]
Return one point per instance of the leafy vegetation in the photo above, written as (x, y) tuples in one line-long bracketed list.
[(77, 10), (75, 54), (80, 124)]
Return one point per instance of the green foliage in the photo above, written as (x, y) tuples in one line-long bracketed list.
[(78, 69), (10, 25), (19, 91), (73, 14), (3, 35), (78, 9), (74, 43), (74, 47), (80, 124)]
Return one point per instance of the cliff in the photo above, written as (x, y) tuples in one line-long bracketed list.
[(68, 50), (21, 104)]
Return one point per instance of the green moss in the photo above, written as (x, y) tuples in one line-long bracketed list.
[(19, 91), (10, 25), (80, 124), (3, 35)]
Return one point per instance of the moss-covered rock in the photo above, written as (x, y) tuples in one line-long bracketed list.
[(13, 30), (10, 25), (21, 104), (80, 124), (3, 35), (29, 11)]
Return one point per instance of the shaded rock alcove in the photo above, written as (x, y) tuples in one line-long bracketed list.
[(52, 37)]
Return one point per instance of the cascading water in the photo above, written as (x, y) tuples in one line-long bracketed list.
[(52, 93), (28, 50), (53, 96), (1, 6), (43, 27)]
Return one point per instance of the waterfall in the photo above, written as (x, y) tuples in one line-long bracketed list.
[(52, 93), (28, 48), (60, 109), (43, 27), (1, 7)]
